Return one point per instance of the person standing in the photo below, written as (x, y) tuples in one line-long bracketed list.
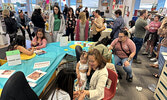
[(152, 36), (37, 19), (70, 23), (65, 11), (87, 12), (78, 11), (57, 24), (22, 22), (82, 27), (98, 22), (140, 29), (117, 25), (11, 25)]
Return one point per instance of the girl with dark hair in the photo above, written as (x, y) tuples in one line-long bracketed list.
[(39, 40), (57, 24), (125, 50), (37, 19), (70, 23), (64, 85), (19, 44)]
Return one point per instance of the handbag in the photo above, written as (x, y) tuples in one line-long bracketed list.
[(100, 29)]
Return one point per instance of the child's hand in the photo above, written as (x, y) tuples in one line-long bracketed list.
[(34, 43), (88, 73)]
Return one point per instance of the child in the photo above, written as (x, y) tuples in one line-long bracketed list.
[(39, 40), (81, 70), (63, 87), (19, 44)]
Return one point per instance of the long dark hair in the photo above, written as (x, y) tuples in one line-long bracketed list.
[(59, 13), (105, 41), (40, 30), (19, 40), (69, 11), (37, 11), (65, 81)]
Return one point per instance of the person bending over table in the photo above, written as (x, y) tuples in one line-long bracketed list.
[(125, 50), (39, 41), (19, 44), (98, 79)]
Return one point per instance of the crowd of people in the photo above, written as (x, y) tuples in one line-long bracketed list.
[(125, 45)]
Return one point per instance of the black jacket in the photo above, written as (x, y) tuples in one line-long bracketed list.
[(37, 20), (11, 25)]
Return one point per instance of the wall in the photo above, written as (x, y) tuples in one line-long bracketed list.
[(103, 8), (130, 4)]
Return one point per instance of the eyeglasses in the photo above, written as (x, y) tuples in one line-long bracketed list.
[(121, 36), (56, 9)]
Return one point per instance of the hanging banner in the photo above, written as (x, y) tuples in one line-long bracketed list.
[(47, 1)]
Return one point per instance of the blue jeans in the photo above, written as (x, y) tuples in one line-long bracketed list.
[(127, 69), (161, 59), (138, 42)]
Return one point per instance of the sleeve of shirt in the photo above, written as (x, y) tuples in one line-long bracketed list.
[(99, 87), (132, 46), (100, 22), (144, 24), (114, 42), (44, 42), (116, 24)]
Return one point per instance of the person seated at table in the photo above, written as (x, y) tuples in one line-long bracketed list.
[(125, 50), (19, 44), (98, 79), (103, 49), (82, 70), (39, 41), (64, 85)]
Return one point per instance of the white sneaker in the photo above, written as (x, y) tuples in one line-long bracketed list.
[(145, 53), (153, 59), (155, 62)]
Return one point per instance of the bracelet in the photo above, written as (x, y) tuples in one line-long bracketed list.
[(129, 59)]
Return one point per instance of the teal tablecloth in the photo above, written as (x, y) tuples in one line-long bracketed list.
[(54, 54)]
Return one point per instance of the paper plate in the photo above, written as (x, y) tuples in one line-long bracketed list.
[(26, 57), (73, 46)]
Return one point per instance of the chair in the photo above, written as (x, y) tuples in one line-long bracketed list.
[(78, 51), (110, 93), (17, 88)]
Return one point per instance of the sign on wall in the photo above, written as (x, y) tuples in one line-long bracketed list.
[(8, 6)]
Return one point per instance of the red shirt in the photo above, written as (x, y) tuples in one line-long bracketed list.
[(154, 26)]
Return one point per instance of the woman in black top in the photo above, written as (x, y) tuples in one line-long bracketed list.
[(70, 23), (37, 19), (87, 13), (11, 24)]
